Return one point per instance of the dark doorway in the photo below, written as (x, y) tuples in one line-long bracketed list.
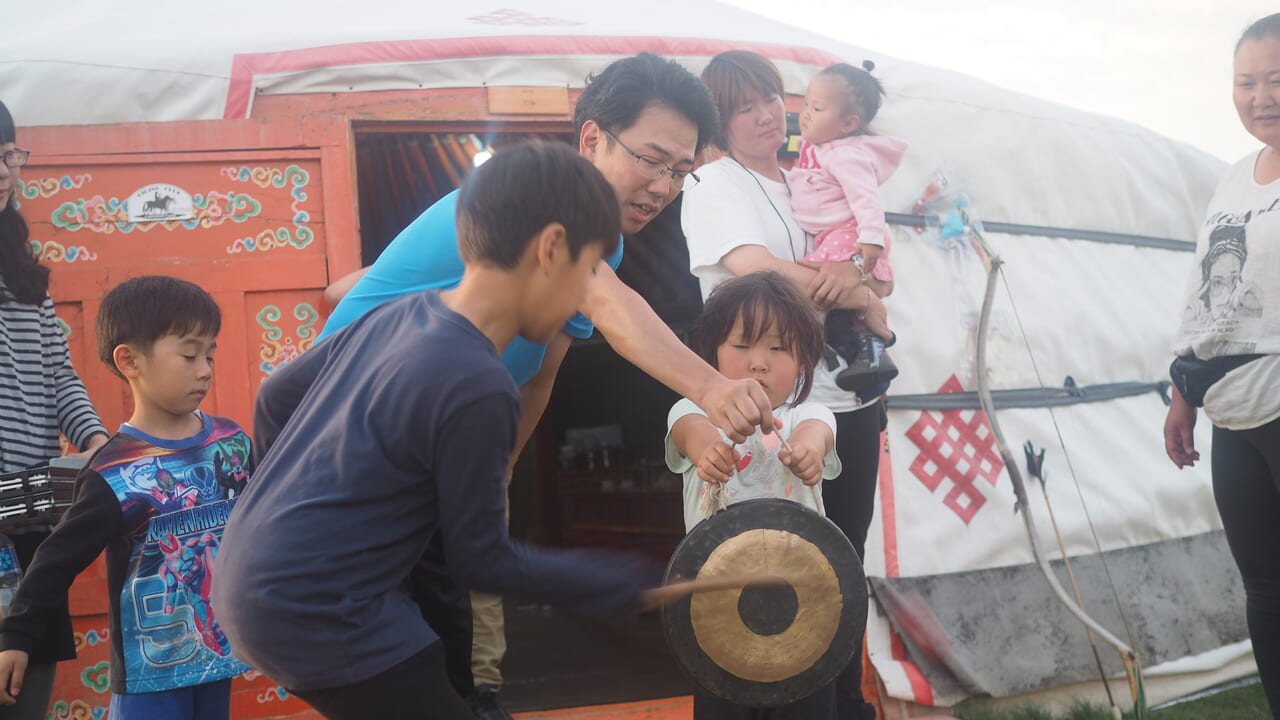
[(403, 172)]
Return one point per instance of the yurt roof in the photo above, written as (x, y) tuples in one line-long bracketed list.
[(1024, 160)]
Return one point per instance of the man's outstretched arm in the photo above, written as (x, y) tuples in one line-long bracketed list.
[(636, 333)]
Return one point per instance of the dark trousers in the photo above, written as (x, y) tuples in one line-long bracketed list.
[(416, 689), (850, 502), (33, 701), (840, 334), (54, 644), (446, 606), (1246, 486), (818, 706)]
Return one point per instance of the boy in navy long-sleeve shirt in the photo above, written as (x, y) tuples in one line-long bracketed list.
[(394, 434)]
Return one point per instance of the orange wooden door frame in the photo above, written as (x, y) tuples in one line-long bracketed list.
[(298, 174)]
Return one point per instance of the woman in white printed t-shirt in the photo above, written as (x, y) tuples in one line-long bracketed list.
[(1228, 348)]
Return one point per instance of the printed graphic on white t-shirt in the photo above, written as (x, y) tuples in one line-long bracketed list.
[(1225, 296)]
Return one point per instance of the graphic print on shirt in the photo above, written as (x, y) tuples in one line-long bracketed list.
[(176, 503), (231, 463), (149, 482), (187, 570), (759, 473), (1225, 297)]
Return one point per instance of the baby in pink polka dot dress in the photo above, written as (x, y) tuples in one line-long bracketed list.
[(835, 196)]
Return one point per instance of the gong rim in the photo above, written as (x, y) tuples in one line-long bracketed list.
[(740, 519)]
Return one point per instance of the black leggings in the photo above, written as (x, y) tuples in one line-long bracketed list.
[(416, 689), (850, 501), (1246, 486)]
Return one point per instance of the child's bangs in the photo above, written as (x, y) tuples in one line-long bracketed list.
[(197, 320), (760, 315), (795, 323)]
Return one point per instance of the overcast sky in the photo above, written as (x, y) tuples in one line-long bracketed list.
[(1164, 64)]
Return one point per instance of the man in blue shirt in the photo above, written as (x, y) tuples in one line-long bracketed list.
[(641, 121)]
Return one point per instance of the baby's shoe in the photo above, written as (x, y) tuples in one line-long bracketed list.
[(871, 369)]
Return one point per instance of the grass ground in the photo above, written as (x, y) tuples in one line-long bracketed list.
[(1236, 703)]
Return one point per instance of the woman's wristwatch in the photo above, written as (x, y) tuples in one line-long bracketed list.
[(857, 260)]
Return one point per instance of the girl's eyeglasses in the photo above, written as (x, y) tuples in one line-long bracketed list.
[(16, 157)]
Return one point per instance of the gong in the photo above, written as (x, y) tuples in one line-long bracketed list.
[(766, 646)]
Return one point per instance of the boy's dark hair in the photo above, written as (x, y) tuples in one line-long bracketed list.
[(140, 311), (730, 76), (763, 300), (1269, 25), (616, 96), (25, 279), (523, 189), (862, 92)]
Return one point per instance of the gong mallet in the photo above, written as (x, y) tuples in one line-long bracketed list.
[(673, 591)]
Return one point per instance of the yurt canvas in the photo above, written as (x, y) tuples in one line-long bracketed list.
[(286, 136)]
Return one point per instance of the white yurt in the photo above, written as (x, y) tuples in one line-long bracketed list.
[(1094, 219)]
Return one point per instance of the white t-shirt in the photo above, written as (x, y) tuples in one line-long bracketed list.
[(732, 207), (760, 474), (1230, 308)]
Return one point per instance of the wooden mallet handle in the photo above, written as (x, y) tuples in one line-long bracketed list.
[(674, 591)]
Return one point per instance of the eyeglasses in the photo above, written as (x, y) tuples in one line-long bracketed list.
[(16, 157), (654, 168)]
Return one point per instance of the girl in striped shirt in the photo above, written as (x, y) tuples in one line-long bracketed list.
[(40, 397)]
